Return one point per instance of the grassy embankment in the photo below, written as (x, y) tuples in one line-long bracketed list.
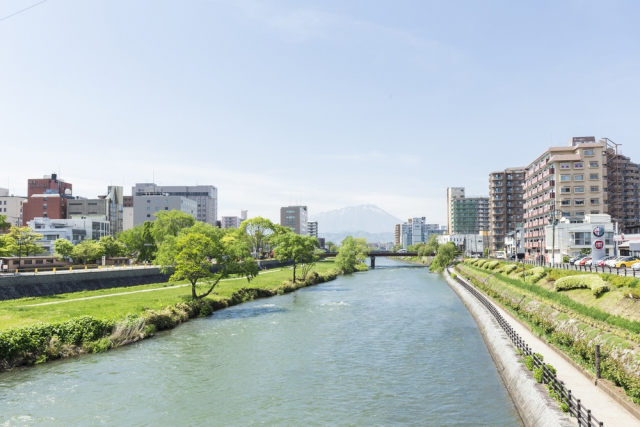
[(34, 330), (601, 310)]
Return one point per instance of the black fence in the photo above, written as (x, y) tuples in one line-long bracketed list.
[(620, 271), (576, 408)]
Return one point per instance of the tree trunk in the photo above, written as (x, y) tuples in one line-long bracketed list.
[(193, 290)]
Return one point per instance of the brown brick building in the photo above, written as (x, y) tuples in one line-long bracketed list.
[(46, 198)]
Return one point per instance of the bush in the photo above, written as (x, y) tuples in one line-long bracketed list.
[(587, 281), (620, 281), (509, 268), (491, 265), (535, 274)]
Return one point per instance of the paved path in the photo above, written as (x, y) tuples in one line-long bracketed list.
[(133, 292), (603, 407)]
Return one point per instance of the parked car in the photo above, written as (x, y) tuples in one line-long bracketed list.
[(600, 262), (582, 261), (636, 266), (627, 261), (612, 262), (589, 261), (576, 258)]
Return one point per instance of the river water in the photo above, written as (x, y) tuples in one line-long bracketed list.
[(393, 346)]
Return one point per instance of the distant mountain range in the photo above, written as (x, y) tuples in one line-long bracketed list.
[(358, 221)]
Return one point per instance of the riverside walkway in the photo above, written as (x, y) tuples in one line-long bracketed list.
[(605, 408)]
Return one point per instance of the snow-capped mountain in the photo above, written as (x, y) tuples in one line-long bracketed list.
[(368, 218)]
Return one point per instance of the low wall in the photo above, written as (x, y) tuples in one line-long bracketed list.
[(13, 287), (532, 400)]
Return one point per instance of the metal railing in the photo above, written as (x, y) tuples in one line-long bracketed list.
[(575, 407), (620, 271)]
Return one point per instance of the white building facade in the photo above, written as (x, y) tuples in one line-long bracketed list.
[(74, 230), (11, 207)]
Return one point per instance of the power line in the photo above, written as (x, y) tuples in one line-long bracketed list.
[(20, 11)]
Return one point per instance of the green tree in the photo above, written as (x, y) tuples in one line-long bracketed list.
[(22, 241), (4, 225), (299, 249), (352, 252), (149, 247), (131, 240), (169, 223), (444, 257), (87, 250), (432, 245), (257, 231), (111, 247), (190, 255), (4, 245), (63, 248)]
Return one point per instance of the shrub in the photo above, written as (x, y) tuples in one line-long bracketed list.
[(535, 274), (491, 265), (507, 269), (589, 281), (620, 281)]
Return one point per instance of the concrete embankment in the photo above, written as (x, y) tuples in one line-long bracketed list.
[(535, 406), (22, 286)]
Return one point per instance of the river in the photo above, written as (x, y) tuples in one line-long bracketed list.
[(393, 346)]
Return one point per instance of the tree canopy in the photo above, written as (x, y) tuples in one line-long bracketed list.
[(446, 254), (63, 248), (299, 249), (169, 223), (352, 252), (193, 253), (22, 241), (87, 250), (4, 225), (111, 247), (258, 231)]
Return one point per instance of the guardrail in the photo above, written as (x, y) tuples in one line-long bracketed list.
[(620, 271), (576, 408)]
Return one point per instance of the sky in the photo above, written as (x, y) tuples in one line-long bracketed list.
[(321, 103)]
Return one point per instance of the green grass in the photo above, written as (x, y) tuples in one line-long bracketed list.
[(21, 312)]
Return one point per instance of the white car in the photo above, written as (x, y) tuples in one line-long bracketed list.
[(589, 262), (636, 266), (612, 262)]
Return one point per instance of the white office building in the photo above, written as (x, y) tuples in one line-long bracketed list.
[(11, 207), (74, 230)]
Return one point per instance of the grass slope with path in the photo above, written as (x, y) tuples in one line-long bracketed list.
[(573, 320)]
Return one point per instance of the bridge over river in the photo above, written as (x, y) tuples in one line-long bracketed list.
[(373, 255)]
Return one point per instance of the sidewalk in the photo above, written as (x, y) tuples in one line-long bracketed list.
[(602, 406)]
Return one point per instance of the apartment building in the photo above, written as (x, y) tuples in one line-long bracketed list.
[(397, 238), (312, 228), (453, 193), (505, 205), (567, 182), (295, 217), (623, 179), (11, 207), (469, 215), (233, 221)]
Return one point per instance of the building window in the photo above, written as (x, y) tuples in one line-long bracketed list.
[(578, 202), (593, 164), (565, 165), (565, 177), (594, 176), (594, 189), (578, 165), (578, 190), (588, 152), (565, 190), (578, 177), (595, 212), (566, 202), (148, 208), (579, 213), (580, 238), (595, 201), (148, 215)]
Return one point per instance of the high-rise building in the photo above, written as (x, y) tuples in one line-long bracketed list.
[(466, 215), (46, 198), (397, 240), (127, 212), (11, 207), (623, 179), (205, 196), (567, 182), (312, 228), (233, 221), (294, 217), (505, 205), (453, 193)]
